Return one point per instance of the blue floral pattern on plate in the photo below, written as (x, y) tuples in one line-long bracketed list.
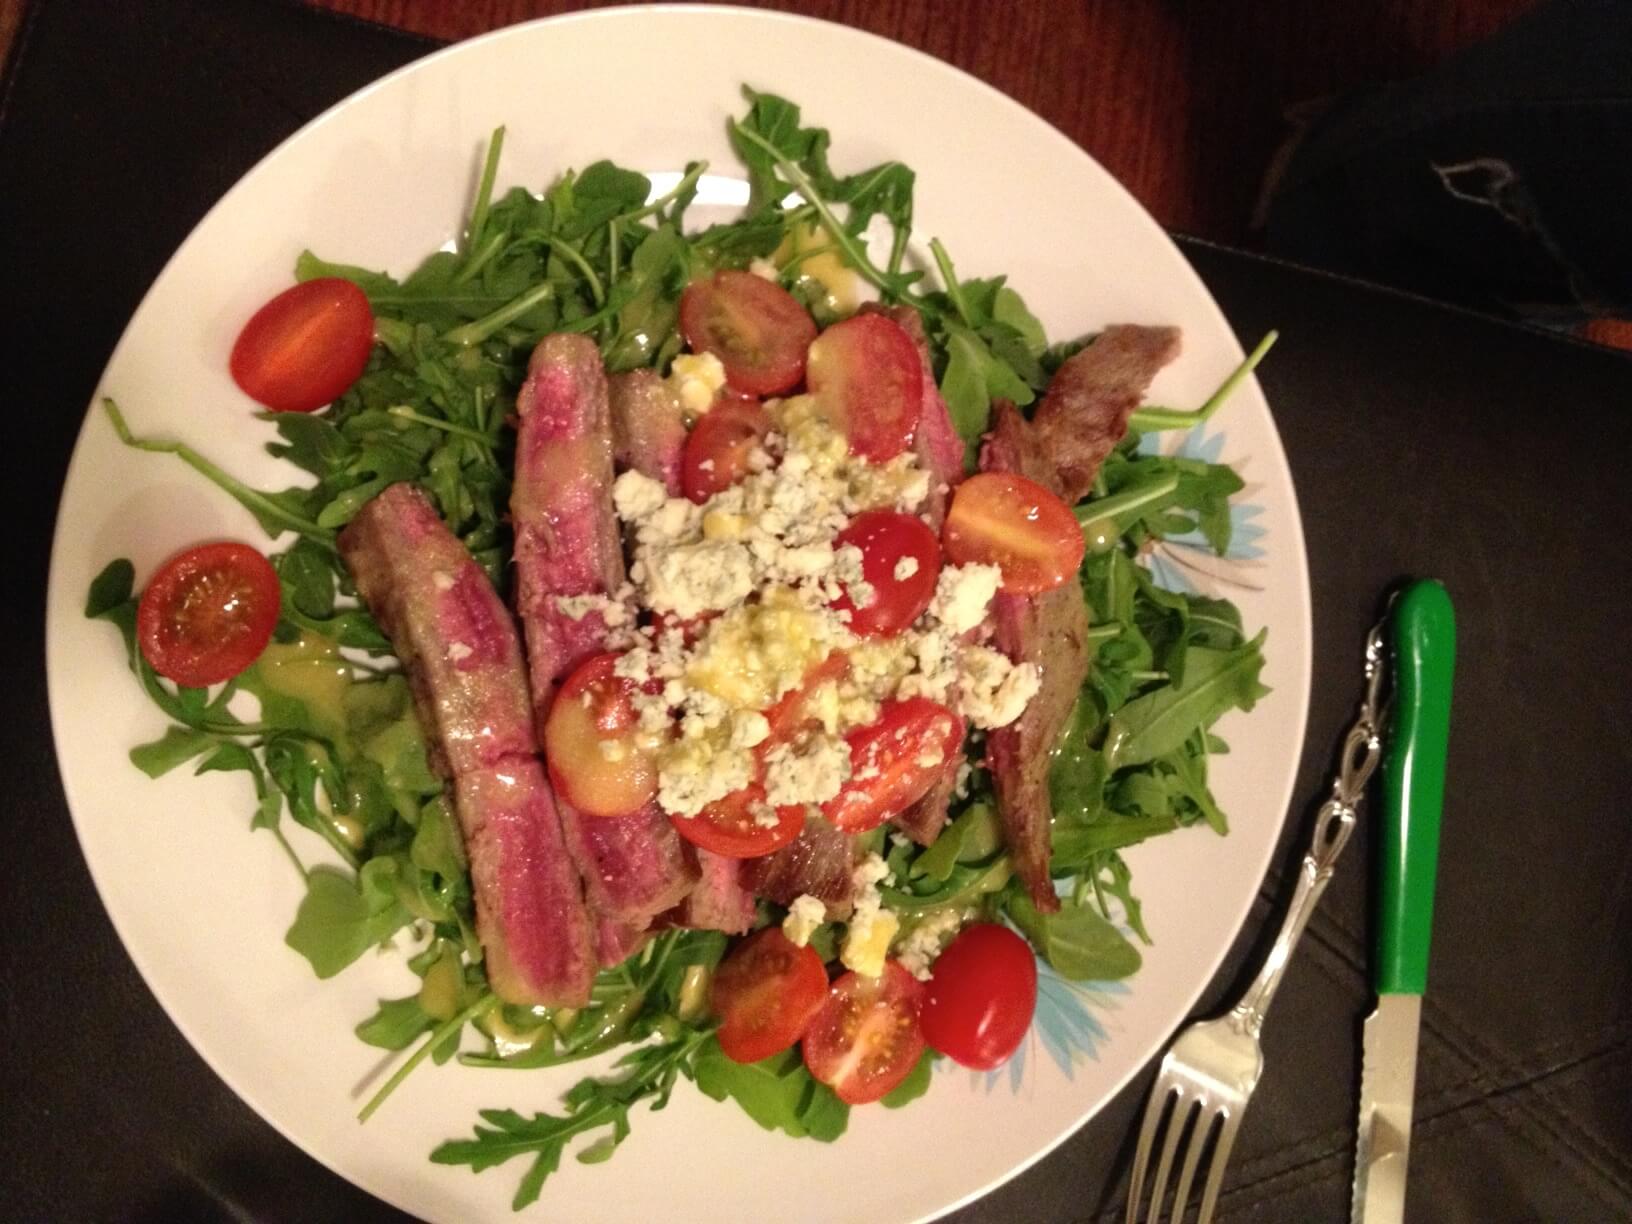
[(1188, 563), (1074, 1020)]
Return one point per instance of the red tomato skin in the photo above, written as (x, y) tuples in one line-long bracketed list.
[(766, 993), (999, 518), (727, 827), (208, 613), (980, 997), (718, 447), (868, 379), (883, 1012), (757, 329), (885, 774), (306, 346), (885, 538)]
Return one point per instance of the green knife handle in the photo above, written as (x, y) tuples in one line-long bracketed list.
[(1423, 633)]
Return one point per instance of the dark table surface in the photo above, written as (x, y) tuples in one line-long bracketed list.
[(1422, 441)]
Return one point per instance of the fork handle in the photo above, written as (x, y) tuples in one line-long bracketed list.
[(1332, 828), (1333, 824)]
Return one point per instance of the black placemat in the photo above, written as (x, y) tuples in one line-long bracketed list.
[(1422, 441)]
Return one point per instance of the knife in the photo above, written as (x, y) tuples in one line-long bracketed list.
[(1423, 637)]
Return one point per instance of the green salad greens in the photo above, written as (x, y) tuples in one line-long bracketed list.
[(323, 723)]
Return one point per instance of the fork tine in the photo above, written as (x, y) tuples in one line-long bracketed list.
[(1170, 1145), (1154, 1109), (1192, 1156), (1141, 1158), (1221, 1157)]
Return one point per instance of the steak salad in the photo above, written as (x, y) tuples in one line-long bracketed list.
[(709, 645)]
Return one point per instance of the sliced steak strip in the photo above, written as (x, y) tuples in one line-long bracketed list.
[(648, 427), (819, 862), (459, 648), (925, 819), (634, 867), (719, 902), (616, 942), (567, 543), (1085, 411), (452, 633), (530, 913), (1050, 630), (567, 540)]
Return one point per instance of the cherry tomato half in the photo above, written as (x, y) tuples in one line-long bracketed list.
[(765, 994), (208, 613), (306, 346), (980, 996), (718, 447), (597, 755), (868, 381), (893, 761), (998, 518), (866, 1037), (792, 710), (757, 329), (900, 560), (730, 827)]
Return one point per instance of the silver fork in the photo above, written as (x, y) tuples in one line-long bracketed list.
[(1208, 1074)]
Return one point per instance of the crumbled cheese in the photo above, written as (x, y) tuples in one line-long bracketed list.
[(694, 773), (614, 612), (928, 940), (763, 557), (691, 579), (962, 594), (696, 379), (992, 691), (811, 772), (755, 653), (804, 916), (763, 268), (442, 580), (636, 496), (871, 927), (749, 729), (459, 652)]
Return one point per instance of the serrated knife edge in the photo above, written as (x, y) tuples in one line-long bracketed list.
[(1388, 1073)]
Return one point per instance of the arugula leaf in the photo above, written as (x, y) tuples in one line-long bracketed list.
[(340, 918), (963, 387), (914, 1086), (973, 835), (111, 589), (778, 1092), (396, 1025), (1215, 681), (1111, 876), (777, 123), (591, 1105), (1078, 942), (176, 746)]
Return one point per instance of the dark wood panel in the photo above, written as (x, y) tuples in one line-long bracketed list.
[(1182, 100)]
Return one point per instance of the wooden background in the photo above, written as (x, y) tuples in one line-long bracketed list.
[(1185, 101)]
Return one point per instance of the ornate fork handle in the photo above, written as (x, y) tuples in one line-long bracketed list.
[(1333, 825)]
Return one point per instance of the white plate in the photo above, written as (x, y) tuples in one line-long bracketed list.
[(382, 179)]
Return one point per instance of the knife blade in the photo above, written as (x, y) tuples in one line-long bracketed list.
[(1423, 638)]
